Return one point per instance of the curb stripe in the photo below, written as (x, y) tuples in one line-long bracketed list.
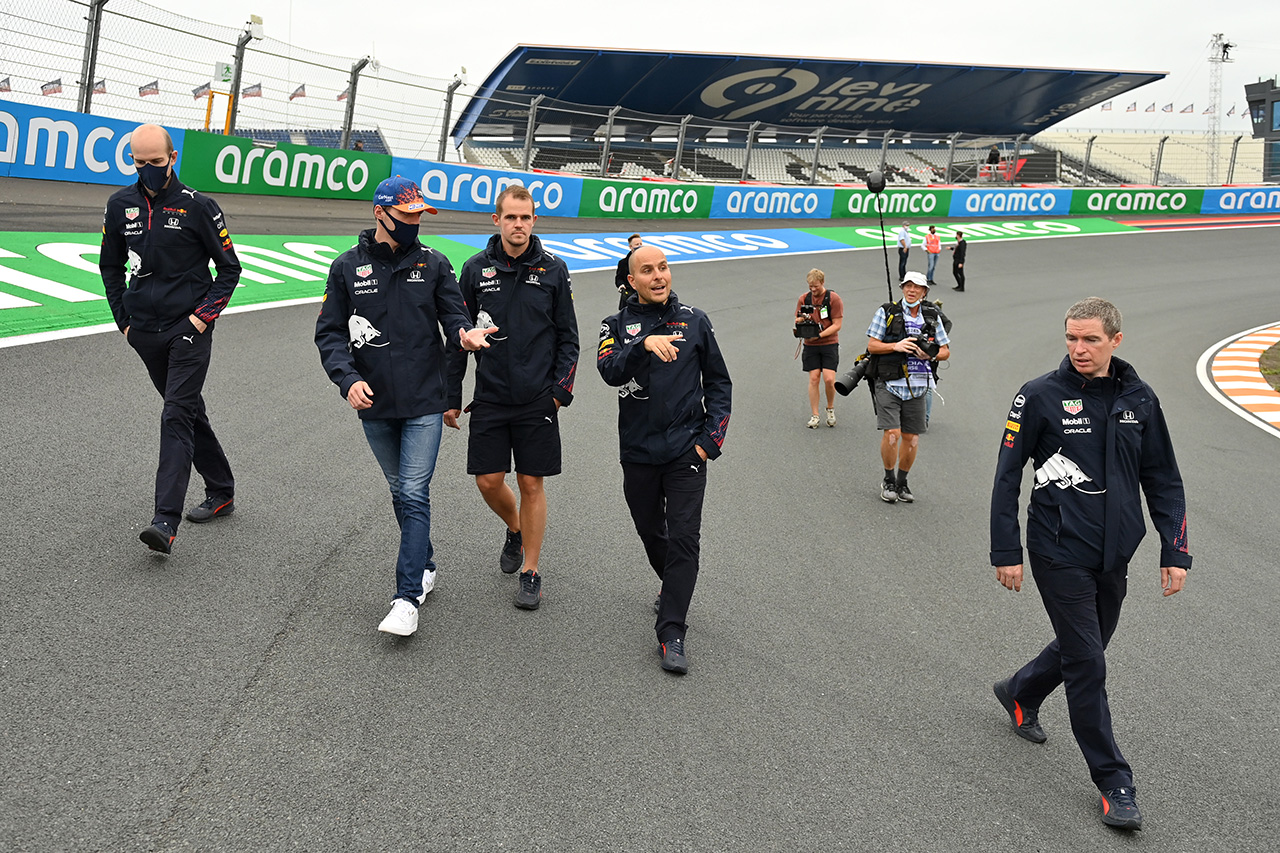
[(1231, 372)]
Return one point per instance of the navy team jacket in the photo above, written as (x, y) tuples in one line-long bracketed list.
[(1096, 445)]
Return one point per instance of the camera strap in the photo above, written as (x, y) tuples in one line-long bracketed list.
[(826, 300)]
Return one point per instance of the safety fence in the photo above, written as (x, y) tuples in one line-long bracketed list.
[(543, 134), (41, 143), (1159, 159), (130, 60)]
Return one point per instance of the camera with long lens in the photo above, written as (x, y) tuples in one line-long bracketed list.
[(849, 380), (808, 327)]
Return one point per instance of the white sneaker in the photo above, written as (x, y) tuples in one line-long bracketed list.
[(402, 620), (428, 584), (831, 417), (813, 422)]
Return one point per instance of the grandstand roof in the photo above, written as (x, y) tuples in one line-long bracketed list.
[(781, 91)]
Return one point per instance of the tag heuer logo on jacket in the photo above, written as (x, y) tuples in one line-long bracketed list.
[(632, 328), (1073, 407), (364, 270), (132, 212)]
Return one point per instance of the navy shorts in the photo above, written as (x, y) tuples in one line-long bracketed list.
[(529, 432), (824, 357)]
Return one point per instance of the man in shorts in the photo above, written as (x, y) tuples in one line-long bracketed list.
[(821, 355), (902, 338), (522, 379)]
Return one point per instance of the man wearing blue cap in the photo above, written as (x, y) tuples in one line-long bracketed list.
[(385, 304)]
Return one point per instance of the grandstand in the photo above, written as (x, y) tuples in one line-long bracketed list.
[(805, 137), (374, 143), (1049, 158), (904, 162), (1131, 158)]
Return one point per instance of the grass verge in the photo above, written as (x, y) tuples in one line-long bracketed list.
[(1270, 365)]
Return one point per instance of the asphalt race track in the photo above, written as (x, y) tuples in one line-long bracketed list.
[(235, 696)]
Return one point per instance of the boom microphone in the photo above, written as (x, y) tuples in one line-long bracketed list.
[(875, 183)]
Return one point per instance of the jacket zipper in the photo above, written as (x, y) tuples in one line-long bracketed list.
[(146, 251)]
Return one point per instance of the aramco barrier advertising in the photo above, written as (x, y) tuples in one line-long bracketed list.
[(231, 164), (50, 144)]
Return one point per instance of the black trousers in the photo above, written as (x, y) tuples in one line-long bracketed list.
[(177, 360), (1084, 607), (666, 506), (957, 272), (902, 263)]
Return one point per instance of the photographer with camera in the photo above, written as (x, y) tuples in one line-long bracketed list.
[(819, 315), (906, 339)]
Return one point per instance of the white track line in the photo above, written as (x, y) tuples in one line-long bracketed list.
[(81, 331)]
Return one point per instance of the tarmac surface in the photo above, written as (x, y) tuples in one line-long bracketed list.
[(236, 695)]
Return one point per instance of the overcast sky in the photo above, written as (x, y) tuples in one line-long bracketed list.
[(438, 37)]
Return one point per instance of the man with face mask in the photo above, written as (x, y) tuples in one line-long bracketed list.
[(385, 305), (158, 238)]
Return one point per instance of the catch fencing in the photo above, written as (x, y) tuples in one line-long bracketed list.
[(129, 60), (149, 64)]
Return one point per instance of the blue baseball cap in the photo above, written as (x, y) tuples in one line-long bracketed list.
[(402, 194)]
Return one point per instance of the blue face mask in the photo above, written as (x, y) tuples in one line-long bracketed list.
[(404, 233), (153, 177), (911, 304)]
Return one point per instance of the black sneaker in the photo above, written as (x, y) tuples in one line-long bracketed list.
[(159, 537), (673, 657), (212, 508), (1120, 808), (512, 557), (889, 491), (1026, 722), (904, 494), (530, 594)]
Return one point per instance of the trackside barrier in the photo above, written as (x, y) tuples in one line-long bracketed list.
[(50, 144), (232, 164), (57, 145), (450, 186)]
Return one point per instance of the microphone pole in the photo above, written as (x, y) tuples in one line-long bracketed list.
[(875, 183)]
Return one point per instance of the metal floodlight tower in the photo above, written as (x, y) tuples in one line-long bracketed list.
[(89, 65), (252, 30), (350, 114), (1219, 52), (458, 80)]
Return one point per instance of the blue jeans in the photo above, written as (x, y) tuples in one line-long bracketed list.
[(406, 450), (933, 264)]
